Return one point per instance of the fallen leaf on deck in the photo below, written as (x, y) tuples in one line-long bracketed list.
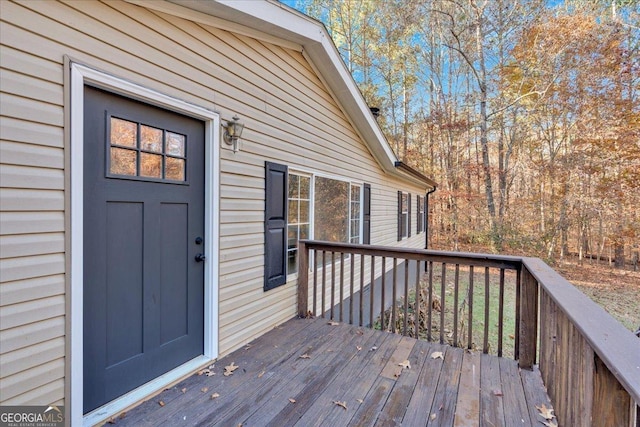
[(334, 323), (215, 396), (184, 390), (204, 389), (360, 400), (358, 348), (228, 370), (547, 413), (437, 355), (305, 356), (292, 400), (432, 417), (497, 393), (552, 423), (359, 332), (161, 403), (341, 404), (260, 374), (374, 348), (511, 336), (406, 364)]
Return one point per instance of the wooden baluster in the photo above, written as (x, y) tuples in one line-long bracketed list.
[(487, 297), (455, 305), (361, 314), (417, 303), (430, 303), (501, 313), (443, 284), (406, 297), (351, 286), (333, 282), (303, 280), (470, 303), (516, 344), (383, 277), (315, 282), (371, 290), (341, 282), (395, 296), (324, 281)]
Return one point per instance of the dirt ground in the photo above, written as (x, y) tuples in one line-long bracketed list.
[(618, 291)]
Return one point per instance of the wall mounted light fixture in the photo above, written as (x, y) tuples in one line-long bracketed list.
[(232, 132)]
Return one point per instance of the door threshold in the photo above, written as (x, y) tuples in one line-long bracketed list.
[(137, 395)]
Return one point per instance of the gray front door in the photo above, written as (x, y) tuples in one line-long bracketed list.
[(143, 229)]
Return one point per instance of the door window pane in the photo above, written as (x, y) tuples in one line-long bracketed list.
[(175, 144), (151, 139), (174, 169), (123, 132), (139, 150), (123, 162), (150, 165)]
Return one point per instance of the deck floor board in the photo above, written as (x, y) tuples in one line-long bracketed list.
[(275, 386)]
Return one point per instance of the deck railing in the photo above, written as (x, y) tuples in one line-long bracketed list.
[(523, 309)]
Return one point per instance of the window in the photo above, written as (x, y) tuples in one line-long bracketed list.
[(306, 206), (336, 208), (404, 217), (299, 218), (145, 152)]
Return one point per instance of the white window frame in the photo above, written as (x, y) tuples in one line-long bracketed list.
[(361, 215), (291, 276)]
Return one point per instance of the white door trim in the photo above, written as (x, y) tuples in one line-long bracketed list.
[(82, 75)]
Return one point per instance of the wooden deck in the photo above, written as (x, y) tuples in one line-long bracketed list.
[(308, 372)]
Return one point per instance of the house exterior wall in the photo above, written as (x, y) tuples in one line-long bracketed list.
[(290, 117)]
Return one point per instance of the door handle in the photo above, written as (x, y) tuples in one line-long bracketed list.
[(200, 257)]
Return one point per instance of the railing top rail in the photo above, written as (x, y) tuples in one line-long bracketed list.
[(462, 258), (615, 345)]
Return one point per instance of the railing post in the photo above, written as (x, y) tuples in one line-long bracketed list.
[(303, 279), (528, 320)]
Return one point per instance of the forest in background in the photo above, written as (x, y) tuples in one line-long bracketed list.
[(525, 112)]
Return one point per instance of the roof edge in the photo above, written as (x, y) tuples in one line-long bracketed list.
[(415, 173)]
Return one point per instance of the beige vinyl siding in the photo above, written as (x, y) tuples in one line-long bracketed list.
[(32, 302), (290, 117)]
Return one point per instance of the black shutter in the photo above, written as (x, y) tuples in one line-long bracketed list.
[(399, 215), (419, 216), (275, 225), (409, 215), (366, 215)]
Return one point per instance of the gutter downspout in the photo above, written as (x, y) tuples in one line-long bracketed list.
[(426, 220)]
